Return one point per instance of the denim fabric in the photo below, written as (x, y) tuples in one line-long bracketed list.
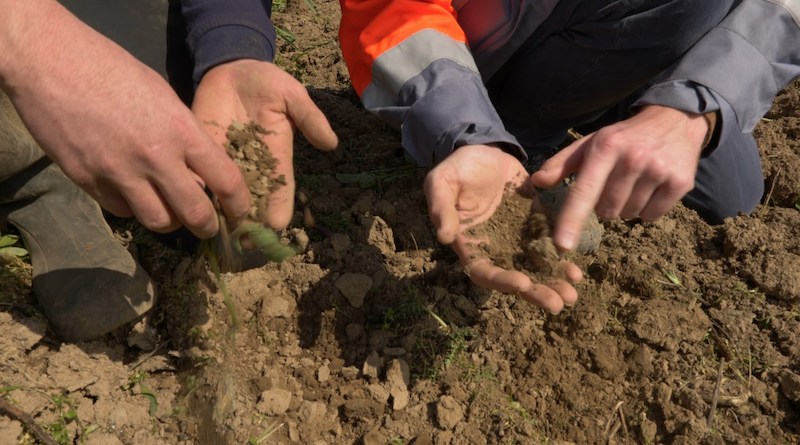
[(591, 59)]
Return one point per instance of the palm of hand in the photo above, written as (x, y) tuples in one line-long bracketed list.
[(250, 90), (465, 190)]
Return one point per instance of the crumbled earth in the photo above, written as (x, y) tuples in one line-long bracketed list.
[(373, 334), (517, 237), (249, 152)]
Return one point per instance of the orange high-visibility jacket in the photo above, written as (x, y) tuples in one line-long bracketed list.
[(420, 65)]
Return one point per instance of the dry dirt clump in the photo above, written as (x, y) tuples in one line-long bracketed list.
[(520, 238), (252, 156)]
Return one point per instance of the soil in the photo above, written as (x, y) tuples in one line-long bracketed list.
[(339, 345)]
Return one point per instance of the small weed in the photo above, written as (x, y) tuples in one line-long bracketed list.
[(136, 379), (672, 277), (278, 5), (396, 440), (270, 431), (764, 322), (287, 36)]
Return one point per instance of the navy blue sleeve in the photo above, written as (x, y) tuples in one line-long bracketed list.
[(221, 31)]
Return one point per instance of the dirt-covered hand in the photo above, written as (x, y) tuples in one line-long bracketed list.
[(251, 90), (114, 126), (639, 167), (465, 190)]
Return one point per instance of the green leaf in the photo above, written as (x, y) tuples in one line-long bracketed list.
[(8, 240), (15, 251), (71, 414), (147, 392)]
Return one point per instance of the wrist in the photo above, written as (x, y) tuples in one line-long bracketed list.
[(699, 127)]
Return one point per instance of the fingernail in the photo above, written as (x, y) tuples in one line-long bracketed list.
[(554, 313), (566, 242)]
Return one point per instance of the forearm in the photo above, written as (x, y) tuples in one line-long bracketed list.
[(737, 68), (40, 41), (410, 63)]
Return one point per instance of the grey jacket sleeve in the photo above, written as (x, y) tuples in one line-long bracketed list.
[(738, 67), (429, 87)]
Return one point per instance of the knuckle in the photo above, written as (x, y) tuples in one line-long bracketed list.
[(160, 223), (200, 216)]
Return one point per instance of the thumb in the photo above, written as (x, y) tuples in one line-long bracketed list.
[(310, 120), (442, 207), (561, 165)]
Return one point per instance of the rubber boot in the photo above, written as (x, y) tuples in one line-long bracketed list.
[(86, 281)]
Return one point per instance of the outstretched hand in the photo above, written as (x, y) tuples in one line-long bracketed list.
[(639, 167), (246, 90), (464, 190)]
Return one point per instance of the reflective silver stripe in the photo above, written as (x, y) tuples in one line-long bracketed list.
[(793, 6), (392, 69)]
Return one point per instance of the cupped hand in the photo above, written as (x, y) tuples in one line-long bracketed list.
[(113, 125), (639, 167), (464, 190), (247, 90)]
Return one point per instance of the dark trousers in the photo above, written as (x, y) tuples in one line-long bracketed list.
[(153, 31), (589, 61)]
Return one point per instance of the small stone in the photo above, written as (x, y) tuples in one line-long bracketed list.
[(349, 372), (143, 336), (275, 306), (226, 402), (341, 243), (237, 126), (790, 385), (354, 287), (274, 401), (448, 412), (374, 437), (354, 331), (301, 239), (294, 433), (312, 413), (323, 374), (372, 366), (379, 392)]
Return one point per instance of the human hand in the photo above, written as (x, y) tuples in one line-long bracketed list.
[(639, 167), (114, 126), (246, 90), (464, 190)]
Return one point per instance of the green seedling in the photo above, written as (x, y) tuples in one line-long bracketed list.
[(264, 239), (270, 431), (278, 5), (672, 277), (136, 379), (287, 36), (797, 203)]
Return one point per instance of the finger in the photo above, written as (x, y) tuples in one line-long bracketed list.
[(190, 203), (111, 200), (562, 164), (442, 207), (310, 120), (280, 207), (150, 207), (581, 200), (223, 178), (641, 194), (571, 271), (660, 203), (620, 185), (483, 274)]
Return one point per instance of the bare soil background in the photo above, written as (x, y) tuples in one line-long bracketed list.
[(339, 345)]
